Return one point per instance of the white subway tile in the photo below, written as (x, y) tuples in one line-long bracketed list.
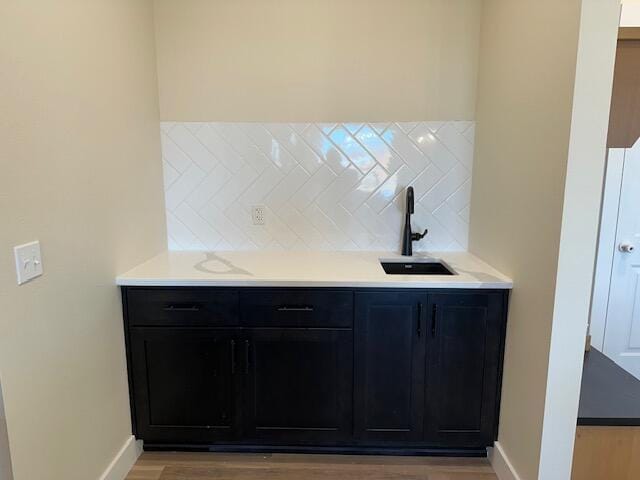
[(194, 149), (325, 186)]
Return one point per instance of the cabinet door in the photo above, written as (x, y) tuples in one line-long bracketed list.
[(390, 357), (463, 358), (184, 384), (299, 385)]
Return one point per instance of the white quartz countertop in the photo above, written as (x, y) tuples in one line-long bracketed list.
[(307, 269)]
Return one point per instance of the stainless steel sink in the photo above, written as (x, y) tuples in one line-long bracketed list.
[(432, 267)]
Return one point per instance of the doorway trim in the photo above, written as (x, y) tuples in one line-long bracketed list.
[(606, 246)]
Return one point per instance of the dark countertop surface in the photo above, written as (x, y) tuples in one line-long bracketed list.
[(609, 394)]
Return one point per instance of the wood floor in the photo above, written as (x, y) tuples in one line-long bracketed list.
[(242, 466), (606, 452)]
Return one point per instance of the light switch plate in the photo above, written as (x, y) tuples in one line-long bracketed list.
[(28, 261)]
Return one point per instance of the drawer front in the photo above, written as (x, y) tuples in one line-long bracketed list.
[(182, 307), (297, 308)]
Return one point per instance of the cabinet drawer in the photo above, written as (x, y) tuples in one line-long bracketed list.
[(297, 308), (183, 307)]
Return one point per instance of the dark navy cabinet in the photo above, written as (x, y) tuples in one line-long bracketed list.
[(303, 369), (299, 385), (185, 389), (464, 358), (390, 366)]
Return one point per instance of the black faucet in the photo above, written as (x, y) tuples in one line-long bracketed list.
[(408, 237)]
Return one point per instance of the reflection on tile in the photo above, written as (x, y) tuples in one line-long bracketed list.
[(434, 126), (326, 127), (326, 150), (295, 145), (379, 127), (401, 143), (325, 186), (352, 127), (379, 149), (352, 149), (433, 148), (365, 188)]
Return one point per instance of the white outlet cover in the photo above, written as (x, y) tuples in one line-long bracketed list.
[(28, 261), (259, 214)]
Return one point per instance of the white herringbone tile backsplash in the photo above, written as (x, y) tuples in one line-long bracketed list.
[(324, 186)]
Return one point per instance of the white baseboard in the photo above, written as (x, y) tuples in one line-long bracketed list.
[(124, 460), (501, 464)]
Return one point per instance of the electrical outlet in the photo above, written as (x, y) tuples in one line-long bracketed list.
[(28, 261), (259, 214)]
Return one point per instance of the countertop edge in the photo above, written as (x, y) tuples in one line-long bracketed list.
[(609, 395), (125, 282), (608, 422)]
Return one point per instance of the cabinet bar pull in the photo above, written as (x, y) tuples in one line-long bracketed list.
[(434, 313), (233, 357), (246, 357), (295, 309), (419, 330), (181, 308)]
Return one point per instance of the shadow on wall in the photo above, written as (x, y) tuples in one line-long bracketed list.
[(5, 458)]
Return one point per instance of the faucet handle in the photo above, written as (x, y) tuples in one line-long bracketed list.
[(419, 236)]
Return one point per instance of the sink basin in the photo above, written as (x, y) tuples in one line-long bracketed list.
[(416, 268)]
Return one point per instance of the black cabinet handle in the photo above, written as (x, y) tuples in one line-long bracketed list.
[(246, 357), (295, 309), (233, 357), (181, 308), (419, 329), (434, 314)]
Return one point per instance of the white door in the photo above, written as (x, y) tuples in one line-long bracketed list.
[(622, 332)]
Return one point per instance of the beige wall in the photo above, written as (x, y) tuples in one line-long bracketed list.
[(5, 453), (522, 140), (528, 61), (329, 60), (630, 14), (80, 171)]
